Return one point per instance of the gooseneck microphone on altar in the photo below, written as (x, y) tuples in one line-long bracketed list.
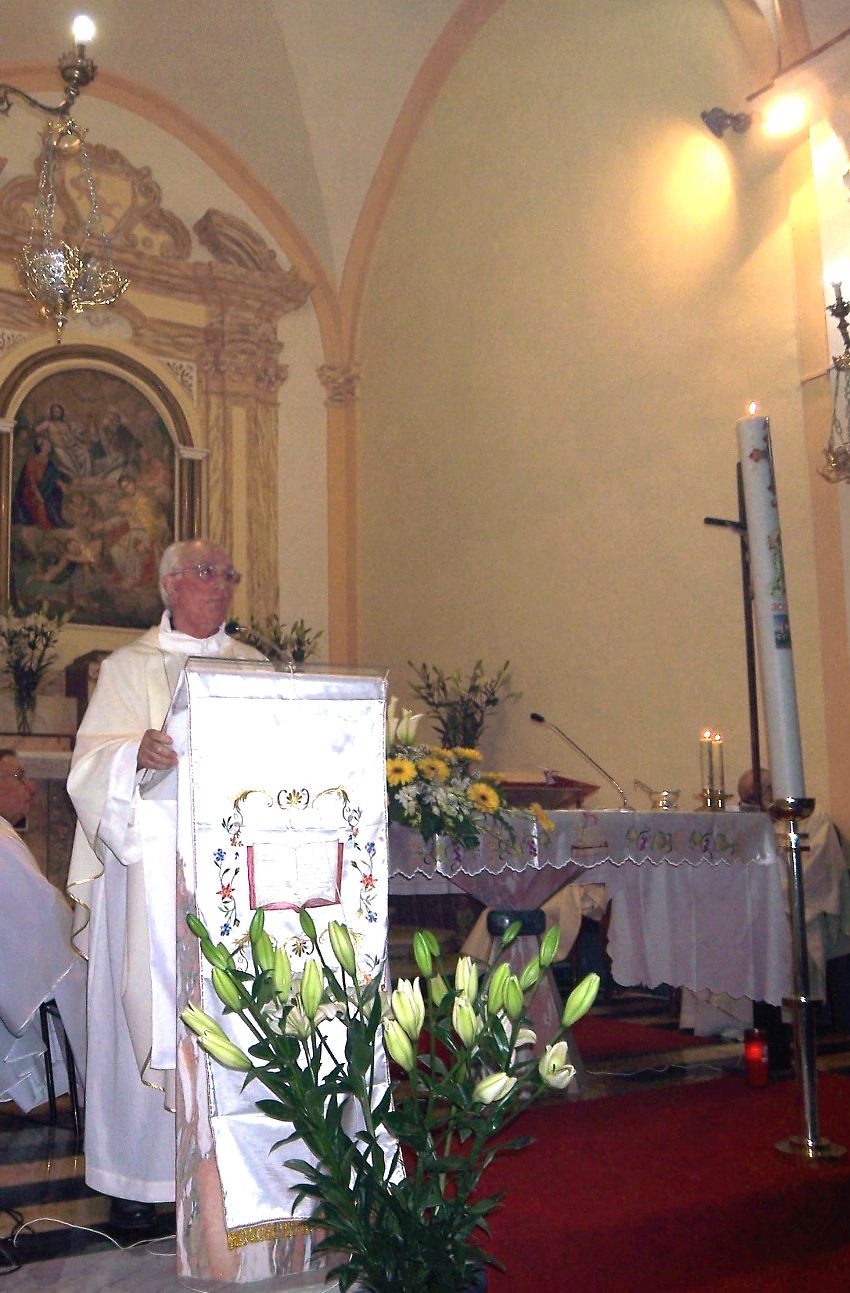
[(626, 806)]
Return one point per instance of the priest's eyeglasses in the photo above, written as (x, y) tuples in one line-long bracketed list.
[(208, 573)]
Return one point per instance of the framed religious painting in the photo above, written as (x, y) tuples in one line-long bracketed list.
[(93, 481)]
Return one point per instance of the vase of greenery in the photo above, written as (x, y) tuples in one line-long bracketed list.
[(394, 1184), (459, 706), (29, 643), (291, 645)]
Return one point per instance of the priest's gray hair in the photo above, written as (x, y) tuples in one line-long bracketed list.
[(171, 560)]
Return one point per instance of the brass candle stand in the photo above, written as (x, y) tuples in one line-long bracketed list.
[(810, 1145), (714, 801)]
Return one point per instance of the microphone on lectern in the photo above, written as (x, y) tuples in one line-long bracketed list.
[(538, 718)]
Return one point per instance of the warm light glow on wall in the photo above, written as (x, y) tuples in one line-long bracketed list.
[(785, 116), (699, 185)]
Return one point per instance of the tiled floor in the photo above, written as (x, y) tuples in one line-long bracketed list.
[(41, 1174)]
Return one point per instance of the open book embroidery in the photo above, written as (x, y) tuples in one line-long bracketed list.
[(294, 843)]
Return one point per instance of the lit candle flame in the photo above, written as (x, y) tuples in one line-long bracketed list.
[(83, 29), (752, 408)]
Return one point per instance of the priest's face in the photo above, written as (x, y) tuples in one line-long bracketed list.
[(200, 589), (16, 790)]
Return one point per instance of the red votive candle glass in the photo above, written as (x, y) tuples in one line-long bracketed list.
[(755, 1056)]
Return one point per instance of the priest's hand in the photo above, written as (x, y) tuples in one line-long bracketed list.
[(155, 751)]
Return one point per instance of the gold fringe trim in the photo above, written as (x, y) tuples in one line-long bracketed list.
[(264, 1231)]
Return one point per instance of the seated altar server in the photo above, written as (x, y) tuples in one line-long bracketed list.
[(37, 961), (122, 842)]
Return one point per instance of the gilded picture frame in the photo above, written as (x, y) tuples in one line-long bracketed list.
[(96, 483)]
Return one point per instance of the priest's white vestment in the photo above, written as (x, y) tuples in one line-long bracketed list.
[(121, 838)]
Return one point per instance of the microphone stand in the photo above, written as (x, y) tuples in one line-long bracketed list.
[(626, 806)]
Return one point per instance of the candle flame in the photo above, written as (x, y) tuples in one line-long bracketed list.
[(717, 738), (752, 408), (706, 734)]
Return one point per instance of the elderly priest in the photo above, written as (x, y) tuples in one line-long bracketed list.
[(123, 852)]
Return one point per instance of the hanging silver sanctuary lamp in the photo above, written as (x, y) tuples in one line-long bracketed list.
[(60, 278)]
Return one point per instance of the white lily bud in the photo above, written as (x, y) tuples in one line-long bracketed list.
[(466, 978), (408, 1007), (496, 988), (342, 946), (281, 973), (465, 1022), (311, 987), (580, 1000), (399, 1045)]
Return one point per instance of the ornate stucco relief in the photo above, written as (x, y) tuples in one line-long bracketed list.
[(206, 309)]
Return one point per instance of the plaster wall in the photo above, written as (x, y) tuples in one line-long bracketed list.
[(575, 292)]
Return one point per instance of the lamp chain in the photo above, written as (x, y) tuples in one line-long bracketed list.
[(46, 204)]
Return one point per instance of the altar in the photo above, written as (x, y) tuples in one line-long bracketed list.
[(697, 899)]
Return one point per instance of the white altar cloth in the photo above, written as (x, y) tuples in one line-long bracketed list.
[(696, 898)]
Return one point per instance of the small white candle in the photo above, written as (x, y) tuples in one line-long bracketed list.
[(705, 765), (717, 755), (770, 605)]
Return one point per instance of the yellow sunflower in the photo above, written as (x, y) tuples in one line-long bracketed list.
[(439, 753), (465, 753), (400, 771), (544, 821), (483, 797), (433, 768)]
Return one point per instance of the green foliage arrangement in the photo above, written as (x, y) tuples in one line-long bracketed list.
[(458, 705), (397, 1165)]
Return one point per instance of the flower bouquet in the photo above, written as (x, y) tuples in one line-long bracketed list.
[(29, 642), (440, 792), (394, 1185)]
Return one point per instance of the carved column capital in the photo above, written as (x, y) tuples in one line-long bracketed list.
[(340, 381), (247, 370)]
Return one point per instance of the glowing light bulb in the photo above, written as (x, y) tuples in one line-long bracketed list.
[(83, 29), (785, 116)]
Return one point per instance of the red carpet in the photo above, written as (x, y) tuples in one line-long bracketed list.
[(677, 1190), (602, 1038)]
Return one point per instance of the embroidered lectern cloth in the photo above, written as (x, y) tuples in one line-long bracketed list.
[(281, 804)]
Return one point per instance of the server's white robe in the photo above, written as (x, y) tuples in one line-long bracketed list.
[(124, 849), (37, 963)]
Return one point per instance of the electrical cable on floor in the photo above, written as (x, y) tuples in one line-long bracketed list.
[(92, 1230), (664, 1068)]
